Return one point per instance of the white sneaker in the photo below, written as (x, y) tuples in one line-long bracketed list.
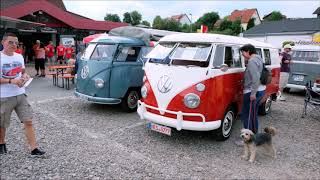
[(282, 98)]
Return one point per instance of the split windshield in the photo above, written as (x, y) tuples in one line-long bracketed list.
[(184, 54), (311, 56), (99, 52)]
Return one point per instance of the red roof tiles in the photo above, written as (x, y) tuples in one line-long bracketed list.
[(244, 15), (30, 6)]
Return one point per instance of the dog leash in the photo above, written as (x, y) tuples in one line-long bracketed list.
[(254, 117)]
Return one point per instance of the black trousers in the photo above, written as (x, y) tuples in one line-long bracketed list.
[(39, 64)]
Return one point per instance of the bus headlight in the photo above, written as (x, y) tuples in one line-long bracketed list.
[(191, 100), (200, 87), (99, 83), (144, 91)]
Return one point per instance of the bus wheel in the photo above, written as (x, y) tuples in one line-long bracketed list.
[(224, 132), (286, 89), (130, 101), (265, 107)]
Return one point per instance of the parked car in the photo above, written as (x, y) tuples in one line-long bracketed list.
[(110, 69), (305, 67)]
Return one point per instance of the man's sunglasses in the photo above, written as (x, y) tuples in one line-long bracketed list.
[(13, 43)]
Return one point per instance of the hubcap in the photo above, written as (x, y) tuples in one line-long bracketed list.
[(133, 99), (227, 123)]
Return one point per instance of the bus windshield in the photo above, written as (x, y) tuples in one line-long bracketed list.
[(161, 53), (191, 54), (309, 56)]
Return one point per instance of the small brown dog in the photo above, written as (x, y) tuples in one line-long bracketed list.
[(251, 141)]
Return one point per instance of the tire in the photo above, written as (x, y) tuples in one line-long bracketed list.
[(287, 90), (224, 132), (130, 102), (265, 107)]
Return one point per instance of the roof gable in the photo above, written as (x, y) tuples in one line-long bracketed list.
[(244, 15)]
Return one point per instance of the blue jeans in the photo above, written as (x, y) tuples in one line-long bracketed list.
[(252, 123)]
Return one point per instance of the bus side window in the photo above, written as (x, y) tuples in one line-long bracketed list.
[(267, 59), (236, 57), (218, 57), (133, 53), (228, 56), (259, 53)]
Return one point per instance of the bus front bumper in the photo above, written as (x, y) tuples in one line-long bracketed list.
[(97, 100), (178, 123)]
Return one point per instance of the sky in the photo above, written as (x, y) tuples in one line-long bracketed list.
[(149, 9)]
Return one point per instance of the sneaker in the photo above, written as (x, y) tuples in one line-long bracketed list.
[(282, 98), (3, 149), (37, 152), (239, 142)]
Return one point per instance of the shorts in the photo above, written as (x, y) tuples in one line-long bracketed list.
[(60, 58), (284, 77), (51, 59), (17, 103)]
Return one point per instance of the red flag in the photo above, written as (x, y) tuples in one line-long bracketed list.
[(204, 29)]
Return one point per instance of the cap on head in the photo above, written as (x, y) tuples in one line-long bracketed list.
[(38, 41), (287, 46)]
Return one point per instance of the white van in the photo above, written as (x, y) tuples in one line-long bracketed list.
[(186, 85)]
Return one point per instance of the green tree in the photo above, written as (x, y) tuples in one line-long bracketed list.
[(157, 22), (275, 16), (207, 19), (186, 28), (135, 17), (127, 18), (250, 24), (112, 17), (146, 23), (236, 27), (171, 25), (225, 24)]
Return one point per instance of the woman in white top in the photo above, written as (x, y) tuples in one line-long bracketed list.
[(40, 60)]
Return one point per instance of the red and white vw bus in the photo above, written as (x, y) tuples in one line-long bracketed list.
[(195, 82)]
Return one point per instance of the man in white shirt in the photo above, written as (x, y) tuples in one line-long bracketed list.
[(12, 93)]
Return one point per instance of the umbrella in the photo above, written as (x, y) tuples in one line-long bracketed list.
[(94, 36)]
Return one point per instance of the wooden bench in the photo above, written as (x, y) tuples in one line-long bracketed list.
[(67, 78)]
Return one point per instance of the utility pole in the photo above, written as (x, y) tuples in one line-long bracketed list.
[(191, 22)]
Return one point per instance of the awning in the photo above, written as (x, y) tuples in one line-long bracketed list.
[(8, 22)]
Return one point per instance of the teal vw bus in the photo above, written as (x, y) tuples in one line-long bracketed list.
[(110, 69)]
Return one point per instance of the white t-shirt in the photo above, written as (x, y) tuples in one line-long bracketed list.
[(11, 68)]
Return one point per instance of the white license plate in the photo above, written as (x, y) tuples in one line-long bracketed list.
[(161, 129), (298, 77)]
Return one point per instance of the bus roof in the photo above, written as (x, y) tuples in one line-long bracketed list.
[(212, 38), (119, 40)]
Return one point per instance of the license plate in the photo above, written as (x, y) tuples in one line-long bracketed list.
[(158, 128), (298, 77)]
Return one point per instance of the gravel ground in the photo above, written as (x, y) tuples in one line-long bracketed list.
[(88, 141)]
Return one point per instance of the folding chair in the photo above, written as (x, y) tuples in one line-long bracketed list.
[(312, 99)]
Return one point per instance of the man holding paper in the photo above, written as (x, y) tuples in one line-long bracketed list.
[(12, 93)]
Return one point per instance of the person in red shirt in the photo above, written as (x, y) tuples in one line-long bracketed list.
[(61, 51), (50, 54), (69, 51), (35, 47)]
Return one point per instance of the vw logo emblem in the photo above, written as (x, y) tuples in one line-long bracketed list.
[(84, 72), (165, 84)]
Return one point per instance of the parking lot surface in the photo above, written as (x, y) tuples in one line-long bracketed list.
[(89, 141)]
